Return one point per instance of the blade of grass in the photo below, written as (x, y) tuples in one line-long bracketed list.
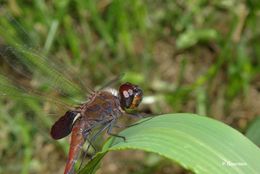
[(197, 143)]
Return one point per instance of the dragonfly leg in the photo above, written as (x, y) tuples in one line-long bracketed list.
[(109, 126), (137, 115), (91, 140), (109, 130), (148, 116), (139, 122)]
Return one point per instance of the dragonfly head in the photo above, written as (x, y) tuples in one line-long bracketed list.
[(130, 95)]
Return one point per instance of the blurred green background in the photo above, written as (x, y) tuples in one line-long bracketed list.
[(188, 56)]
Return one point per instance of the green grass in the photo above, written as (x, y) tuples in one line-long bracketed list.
[(200, 57)]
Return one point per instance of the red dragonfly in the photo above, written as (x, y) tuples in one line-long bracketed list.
[(103, 108)]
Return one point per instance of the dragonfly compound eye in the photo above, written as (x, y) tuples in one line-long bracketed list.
[(130, 96)]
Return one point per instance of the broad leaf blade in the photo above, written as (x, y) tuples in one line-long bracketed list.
[(200, 144)]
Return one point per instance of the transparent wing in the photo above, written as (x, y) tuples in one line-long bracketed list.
[(17, 52), (12, 91)]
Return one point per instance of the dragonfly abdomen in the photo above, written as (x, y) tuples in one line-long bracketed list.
[(76, 143)]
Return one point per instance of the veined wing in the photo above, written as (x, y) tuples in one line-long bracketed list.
[(37, 68), (19, 55), (10, 90)]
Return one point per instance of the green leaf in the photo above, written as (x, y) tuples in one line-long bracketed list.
[(197, 143), (253, 132)]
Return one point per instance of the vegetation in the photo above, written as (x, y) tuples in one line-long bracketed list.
[(188, 56)]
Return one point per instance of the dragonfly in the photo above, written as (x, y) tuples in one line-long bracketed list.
[(103, 108), (100, 112)]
